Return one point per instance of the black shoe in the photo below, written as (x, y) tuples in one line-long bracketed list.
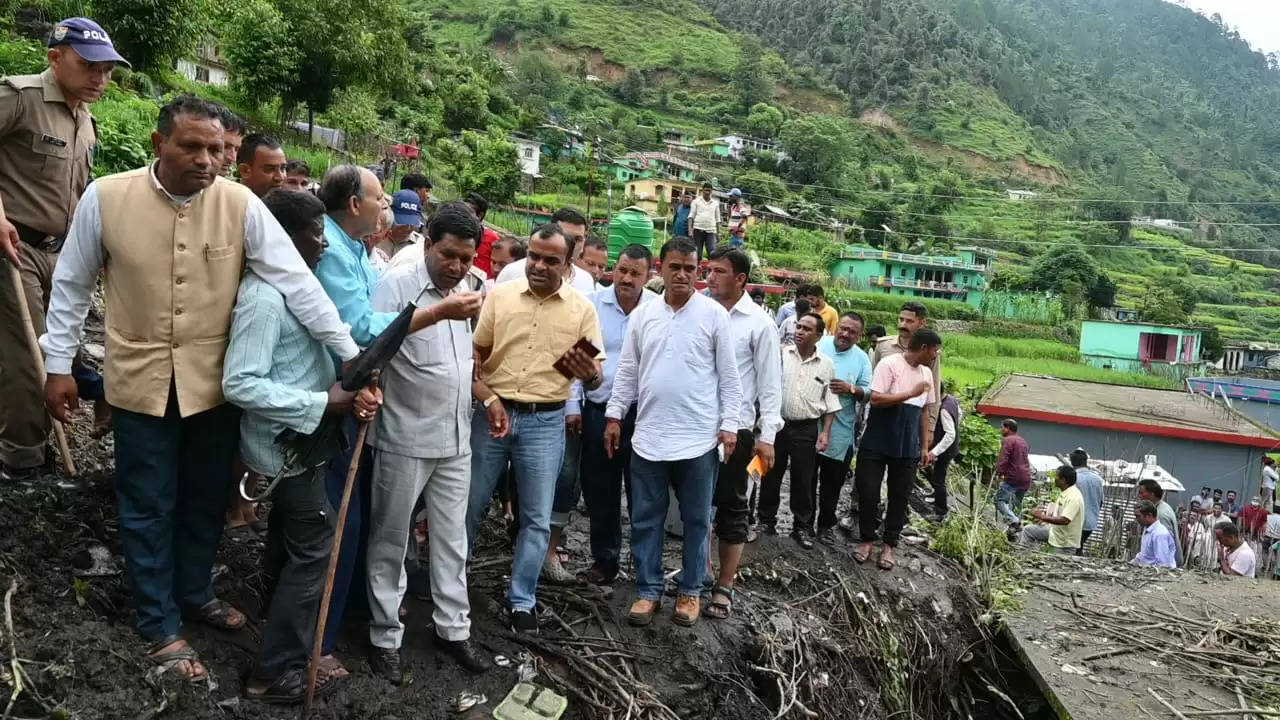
[(803, 539), (769, 528), (466, 653), (12, 475), (829, 537), (385, 663), (524, 622)]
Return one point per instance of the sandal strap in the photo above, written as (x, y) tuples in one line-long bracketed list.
[(724, 590)]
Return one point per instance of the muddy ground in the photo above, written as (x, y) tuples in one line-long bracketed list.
[(814, 634)]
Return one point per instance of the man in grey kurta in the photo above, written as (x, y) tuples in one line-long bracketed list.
[(423, 437)]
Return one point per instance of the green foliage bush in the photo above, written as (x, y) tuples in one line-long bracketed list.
[(21, 57), (125, 123)]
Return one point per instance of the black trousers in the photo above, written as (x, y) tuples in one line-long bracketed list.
[(1084, 538), (299, 538), (938, 479), (871, 469), (796, 446), (731, 516), (831, 476)]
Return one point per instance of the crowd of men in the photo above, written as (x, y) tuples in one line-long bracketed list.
[(234, 310), (235, 307)]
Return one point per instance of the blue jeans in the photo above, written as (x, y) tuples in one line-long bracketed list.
[(694, 481), (1009, 502), (603, 480), (350, 572), (535, 448), (568, 483), (171, 487)]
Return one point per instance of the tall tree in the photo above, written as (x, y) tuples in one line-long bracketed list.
[(152, 34)]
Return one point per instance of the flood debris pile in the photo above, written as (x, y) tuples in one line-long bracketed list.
[(812, 634)]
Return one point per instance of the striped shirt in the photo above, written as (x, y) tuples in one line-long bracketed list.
[(275, 371), (806, 385)]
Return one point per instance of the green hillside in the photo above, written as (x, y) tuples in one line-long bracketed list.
[(911, 115)]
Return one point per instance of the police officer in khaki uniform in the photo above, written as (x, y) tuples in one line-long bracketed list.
[(47, 137)]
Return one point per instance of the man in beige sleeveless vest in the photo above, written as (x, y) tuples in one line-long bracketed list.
[(174, 239)]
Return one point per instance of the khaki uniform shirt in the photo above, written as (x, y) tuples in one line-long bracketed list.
[(46, 153), (527, 335)]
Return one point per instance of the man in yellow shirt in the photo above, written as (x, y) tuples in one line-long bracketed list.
[(1063, 529), (818, 302), (527, 329)]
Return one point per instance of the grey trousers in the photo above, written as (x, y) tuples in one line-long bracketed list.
[(445, 485), (1035, 534)]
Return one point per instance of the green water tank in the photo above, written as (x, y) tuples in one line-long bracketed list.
[(630, 225)]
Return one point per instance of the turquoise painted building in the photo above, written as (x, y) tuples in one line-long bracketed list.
[(1169, 350), (962, 277)]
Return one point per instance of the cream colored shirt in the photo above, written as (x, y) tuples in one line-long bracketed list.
[(1071, 506), (806, 385), (527, 335)]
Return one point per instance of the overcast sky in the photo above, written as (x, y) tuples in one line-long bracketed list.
[(1257, 20)]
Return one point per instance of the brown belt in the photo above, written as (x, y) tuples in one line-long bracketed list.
[(38, 240)]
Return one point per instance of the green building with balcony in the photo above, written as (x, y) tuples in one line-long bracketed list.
[(962, 277)]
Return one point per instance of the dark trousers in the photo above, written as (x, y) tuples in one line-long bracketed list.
[(705, 242), (299, 538), (938, 479), (796, 446), (731, 492), (867, 477), (171, 488), (831, 476), (604, 479), (350, 573), (1084, 539)]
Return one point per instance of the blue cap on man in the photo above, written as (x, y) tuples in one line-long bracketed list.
[(87, 38), (407, 208)]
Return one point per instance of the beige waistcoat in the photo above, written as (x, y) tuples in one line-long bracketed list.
[(171, 279)]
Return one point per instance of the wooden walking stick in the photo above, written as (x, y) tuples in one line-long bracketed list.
[(322, 617), (34, 344)]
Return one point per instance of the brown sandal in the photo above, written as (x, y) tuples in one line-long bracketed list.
[(168, 661), (220, 614)]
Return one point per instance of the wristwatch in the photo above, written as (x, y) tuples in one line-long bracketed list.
[(489, 401)]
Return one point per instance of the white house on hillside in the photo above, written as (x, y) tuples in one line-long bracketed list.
[(208, 66), (530, 155)]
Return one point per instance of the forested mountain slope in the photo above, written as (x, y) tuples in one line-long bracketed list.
[(1137, 98)]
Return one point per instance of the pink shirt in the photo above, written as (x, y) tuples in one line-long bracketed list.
[(894, 374)]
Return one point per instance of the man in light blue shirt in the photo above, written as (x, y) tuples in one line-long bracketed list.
[(852, 384), (284, 379), (605, 476), (1158, 548), (1090, 484)]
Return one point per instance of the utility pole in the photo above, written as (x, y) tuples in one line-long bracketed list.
[(591, 181)]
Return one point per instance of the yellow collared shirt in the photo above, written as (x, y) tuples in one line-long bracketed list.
[(527, 335)]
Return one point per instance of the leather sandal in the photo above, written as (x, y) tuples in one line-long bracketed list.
[(168, 661), (719, 609), (218, 613)]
